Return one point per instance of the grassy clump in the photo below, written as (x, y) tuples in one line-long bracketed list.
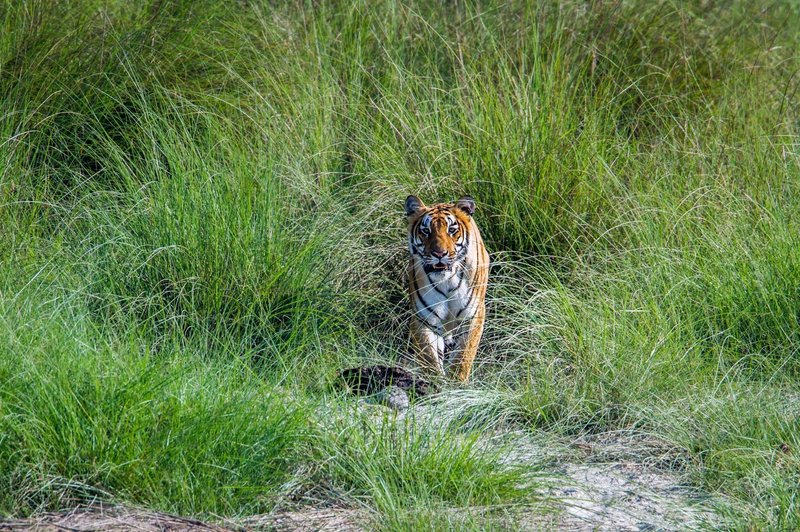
[(200, 221), (414, 472), (89, 415), (406, 462)]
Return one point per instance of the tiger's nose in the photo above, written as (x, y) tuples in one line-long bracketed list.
[(438, 254)]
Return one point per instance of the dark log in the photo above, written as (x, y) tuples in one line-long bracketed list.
[(370, 380)]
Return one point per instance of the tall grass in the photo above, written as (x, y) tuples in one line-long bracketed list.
[(200, 223)]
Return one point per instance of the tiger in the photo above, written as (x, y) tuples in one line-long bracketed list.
[(448, 273)]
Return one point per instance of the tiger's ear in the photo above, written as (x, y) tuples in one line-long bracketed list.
[(413, 204), (466, 204)]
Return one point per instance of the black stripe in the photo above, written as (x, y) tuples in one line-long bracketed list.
[(415, 228), (468, 317), (416, 225), (435, 330), (471, 293), (415, 290), (460, 279), (424, 303), (437, 288), (428, 310), (431, 282), (465, 247), (428, 276)]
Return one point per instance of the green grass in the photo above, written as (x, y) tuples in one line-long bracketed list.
[(410, 462), (201, 221), (88, 414)]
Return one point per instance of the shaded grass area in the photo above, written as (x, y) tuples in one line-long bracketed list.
[(201, 222)]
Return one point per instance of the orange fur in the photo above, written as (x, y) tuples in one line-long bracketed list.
[(448, 301)]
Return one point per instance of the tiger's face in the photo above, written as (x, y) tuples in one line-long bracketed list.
[(438, 235)]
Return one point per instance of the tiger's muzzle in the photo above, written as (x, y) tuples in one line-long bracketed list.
[(438, 264)]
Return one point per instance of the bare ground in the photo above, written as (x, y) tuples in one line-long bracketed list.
[(628, 481)]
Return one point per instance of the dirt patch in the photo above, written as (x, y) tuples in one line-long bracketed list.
[(114, 518), (628, 497), (624, 481), (307, 520), (120, 518)]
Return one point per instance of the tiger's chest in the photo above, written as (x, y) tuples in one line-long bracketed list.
[(445, 300)]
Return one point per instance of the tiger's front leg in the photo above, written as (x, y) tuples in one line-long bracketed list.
[(428, 347), (466, 346)]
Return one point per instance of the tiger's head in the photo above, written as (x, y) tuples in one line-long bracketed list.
[(439, 234)]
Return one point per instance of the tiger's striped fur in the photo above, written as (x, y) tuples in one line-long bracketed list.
[(448, 273)]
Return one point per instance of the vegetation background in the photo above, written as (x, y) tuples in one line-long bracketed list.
[(201, 222)]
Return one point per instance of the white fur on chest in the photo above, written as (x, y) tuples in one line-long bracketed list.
[(445, 299)]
